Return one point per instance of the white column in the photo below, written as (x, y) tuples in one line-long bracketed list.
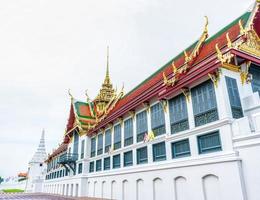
[(167, 119), (122, 134), (149, 146), (112, 136), (149, 125), (222, 99), (190, 112), (134, 139), (134, 129)]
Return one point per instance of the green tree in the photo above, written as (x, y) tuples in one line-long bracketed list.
[(1, 179)]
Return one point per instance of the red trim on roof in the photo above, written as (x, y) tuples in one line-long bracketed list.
[(154, 86)]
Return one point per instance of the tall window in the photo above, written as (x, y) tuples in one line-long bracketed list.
[(82, 149), (128, 158), (234, 98), (178, 114), (76, 142), (157, 119), (80, 168), (128, 132), (107, 140), (98, 165), (180, 148), (141, 155), (107, 163), (204, 103), (255, 71), (91, 167), (93, 147), (209, 142), (159, 151), (116, 161), (141, 126), (117, 136), (100, 144)]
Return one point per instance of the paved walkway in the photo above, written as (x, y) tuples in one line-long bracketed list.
[(39, 196)]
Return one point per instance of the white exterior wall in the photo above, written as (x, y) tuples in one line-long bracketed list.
[(228, 174)]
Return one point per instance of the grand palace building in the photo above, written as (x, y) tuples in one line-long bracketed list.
[(189, 131)]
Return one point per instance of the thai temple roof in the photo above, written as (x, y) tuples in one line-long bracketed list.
[(140, 93), (40, 155), (198, 60)]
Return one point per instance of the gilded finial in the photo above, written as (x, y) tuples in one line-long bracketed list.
[(165, 80), (70, 94), (242, 30), (219, 54), (206, 24), (187, 58), (122, 89), (107, 72), (229, 43), (174, 68), (86, 93)]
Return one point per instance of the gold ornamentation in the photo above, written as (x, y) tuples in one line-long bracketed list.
[(88, 99), (147, 106), (188, 58), (229, 43), (71, 97), (231, 67), (106, 93), (252, 43), (202, 39), (174, 79), (244, 74), (215, 76), (120, 119), (132, 114), (186, 92), (226, 58), (164, 104)]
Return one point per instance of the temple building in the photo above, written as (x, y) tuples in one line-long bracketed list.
[(189, 131)]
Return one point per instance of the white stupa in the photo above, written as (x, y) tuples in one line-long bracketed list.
[(37, 168)]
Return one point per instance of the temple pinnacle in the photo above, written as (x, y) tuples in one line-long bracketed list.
[(107, 78)]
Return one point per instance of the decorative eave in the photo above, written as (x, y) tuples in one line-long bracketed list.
[(109, 107), (61, 149), (178, 72), (206, 62)]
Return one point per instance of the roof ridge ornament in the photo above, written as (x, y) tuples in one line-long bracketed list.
[(195, 52), (71, 97), (189, 59), (88, 99)]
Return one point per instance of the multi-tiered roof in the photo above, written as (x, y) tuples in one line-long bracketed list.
[(203, 58)]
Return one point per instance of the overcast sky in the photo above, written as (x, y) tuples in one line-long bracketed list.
[(48, 46)]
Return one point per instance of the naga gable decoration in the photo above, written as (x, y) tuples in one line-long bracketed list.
[(189, 59)]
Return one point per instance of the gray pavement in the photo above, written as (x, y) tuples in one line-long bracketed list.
[(39, 196)]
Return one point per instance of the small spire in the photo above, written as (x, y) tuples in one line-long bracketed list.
[(107, 72), (107, 78), (40, 154)]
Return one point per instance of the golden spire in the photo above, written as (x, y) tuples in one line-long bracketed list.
[(106, 92), (107, 78)]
